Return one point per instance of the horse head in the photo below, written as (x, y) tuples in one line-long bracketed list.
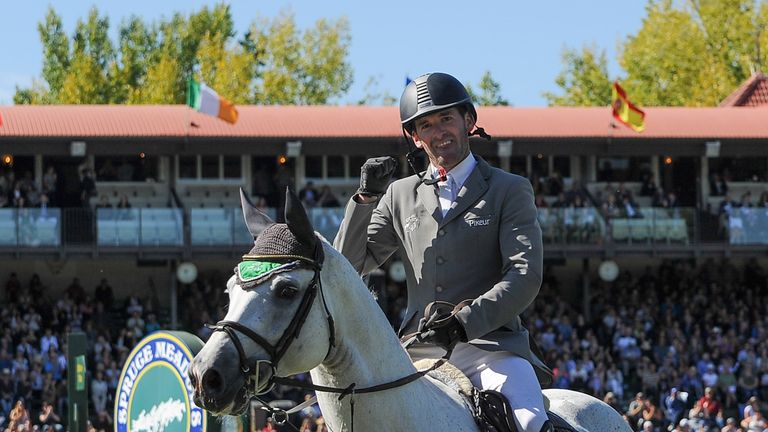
[(273, 313)]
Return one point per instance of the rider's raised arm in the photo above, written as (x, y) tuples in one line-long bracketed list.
[(366, 236)]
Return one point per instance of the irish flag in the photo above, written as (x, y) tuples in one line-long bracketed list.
[(207, 101)]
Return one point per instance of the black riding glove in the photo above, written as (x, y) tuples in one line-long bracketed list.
[(446, 335), (375, 175)]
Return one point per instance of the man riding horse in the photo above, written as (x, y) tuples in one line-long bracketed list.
[(467, 230)]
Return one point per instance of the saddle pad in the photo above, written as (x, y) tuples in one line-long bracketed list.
[(447, 374)]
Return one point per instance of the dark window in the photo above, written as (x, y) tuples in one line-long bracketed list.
[(126, 168), (540, 165), (188, 167), (622, 169), (752, 169), (562, 165), (210, 167), (355, 162), (232, 167), (313, 166), (335, 166), (517, 165)]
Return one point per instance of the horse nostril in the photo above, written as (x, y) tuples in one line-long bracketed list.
[(212, 382)]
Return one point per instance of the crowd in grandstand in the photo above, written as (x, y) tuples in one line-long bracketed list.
[(677, 347)]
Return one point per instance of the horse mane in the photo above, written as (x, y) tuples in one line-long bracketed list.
[(331, 250)]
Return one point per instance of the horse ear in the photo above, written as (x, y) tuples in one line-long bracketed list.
[(255, 220), (297, 220)]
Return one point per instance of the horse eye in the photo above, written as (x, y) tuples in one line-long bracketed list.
[(286, 291)]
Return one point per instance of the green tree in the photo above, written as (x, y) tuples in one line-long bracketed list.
[(273, 63), (374, 96), (584, 81), (55, 62), (689, 53), (490, 92), (87, 79), (297, 67), (227, 71), (137, 45)]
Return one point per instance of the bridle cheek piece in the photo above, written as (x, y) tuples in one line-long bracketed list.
[(251, 369)]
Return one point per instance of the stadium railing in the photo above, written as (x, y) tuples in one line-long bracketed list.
[(165, 227)]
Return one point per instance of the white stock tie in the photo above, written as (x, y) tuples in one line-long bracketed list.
[(447, 192)]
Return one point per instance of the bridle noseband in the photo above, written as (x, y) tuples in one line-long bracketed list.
[(291, 332)]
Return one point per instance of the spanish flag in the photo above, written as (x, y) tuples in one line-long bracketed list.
[(207, 101), (625, 111)]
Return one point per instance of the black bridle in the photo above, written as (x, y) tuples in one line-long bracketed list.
[(291, 332), (276, 352)]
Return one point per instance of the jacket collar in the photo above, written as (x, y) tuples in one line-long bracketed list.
[(472, 189)]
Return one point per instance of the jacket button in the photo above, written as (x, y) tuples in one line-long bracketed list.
[(441, 232), (439, 288), (440, 260)]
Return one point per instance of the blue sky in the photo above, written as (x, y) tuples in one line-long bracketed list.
[(519, 42)]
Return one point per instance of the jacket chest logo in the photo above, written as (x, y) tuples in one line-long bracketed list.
[(479, 222), (411, 223)]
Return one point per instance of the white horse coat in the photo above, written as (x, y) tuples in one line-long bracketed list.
[(367, 352)]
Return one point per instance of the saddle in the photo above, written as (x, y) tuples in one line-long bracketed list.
[(490, 408)]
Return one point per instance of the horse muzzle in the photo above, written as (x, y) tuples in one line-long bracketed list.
[(216, 379)]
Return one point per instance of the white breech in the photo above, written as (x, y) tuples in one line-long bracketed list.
[(503, 372)]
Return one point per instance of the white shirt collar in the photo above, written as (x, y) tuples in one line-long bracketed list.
[(460, 172)]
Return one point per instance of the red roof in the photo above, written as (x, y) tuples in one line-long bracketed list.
[(296, 122), (754, 92)]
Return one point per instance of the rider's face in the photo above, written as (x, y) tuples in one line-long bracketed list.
[(444, 136)]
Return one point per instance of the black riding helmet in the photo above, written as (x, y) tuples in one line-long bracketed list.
[(430, 93)]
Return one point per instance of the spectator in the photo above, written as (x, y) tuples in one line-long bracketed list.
[(19, 417), (709, 408), (752, 414), (12, 289), (49, 340), (133, 304), (49, 181), (308, 195), (717, 185), (648, 188), (103, 294), (152, 325), (99, 391), (635, 412), (136, 324), (87, 187), (327, 198), (730, 425), (76, 292), (104, 202), (610, 399), (6, 392), (49, 420), (103, 421), (674, 406)]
